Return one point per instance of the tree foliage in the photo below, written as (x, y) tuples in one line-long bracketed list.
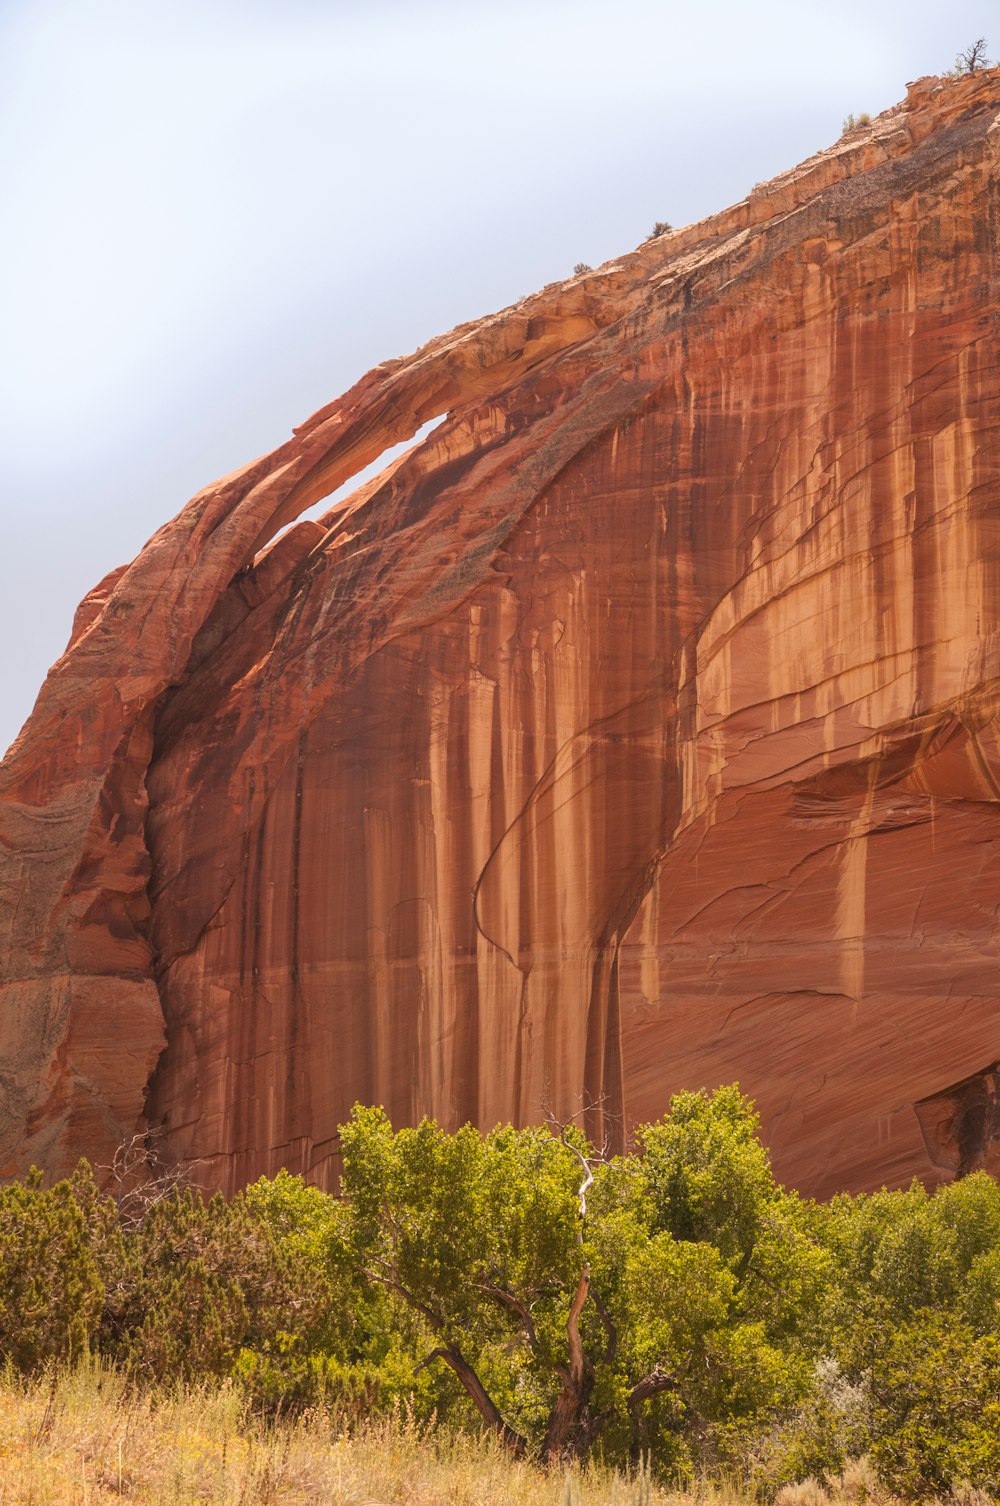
[(675, 1303)]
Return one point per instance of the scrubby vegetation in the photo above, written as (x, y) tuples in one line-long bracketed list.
[(854, 122), (674, 1308)]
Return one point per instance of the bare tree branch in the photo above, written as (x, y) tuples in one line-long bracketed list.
[(473, 1386), (511, 1303), (973, 58), (587, 1163), (659, 1379), (139, 1177), (611, 1332), (433, 1318)]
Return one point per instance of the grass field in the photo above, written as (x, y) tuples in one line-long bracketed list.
[(86, 1437)]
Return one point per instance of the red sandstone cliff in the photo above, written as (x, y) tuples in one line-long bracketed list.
[(638, 730)]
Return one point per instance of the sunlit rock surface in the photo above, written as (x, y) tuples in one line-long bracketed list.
[(636, 731)]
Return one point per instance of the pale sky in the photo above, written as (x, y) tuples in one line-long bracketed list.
[(218, 214)]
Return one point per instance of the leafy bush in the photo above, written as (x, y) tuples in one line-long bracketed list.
[(936, 1400), (830, 1428), (896, 1253)]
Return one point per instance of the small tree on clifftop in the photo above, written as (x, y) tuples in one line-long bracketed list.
[(972, 59)]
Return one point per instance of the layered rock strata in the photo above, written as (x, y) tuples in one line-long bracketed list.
[(637, 730)]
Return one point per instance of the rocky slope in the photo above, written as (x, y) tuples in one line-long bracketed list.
[(637, 730)]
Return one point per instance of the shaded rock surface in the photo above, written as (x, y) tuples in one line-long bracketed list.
[(637, 730)]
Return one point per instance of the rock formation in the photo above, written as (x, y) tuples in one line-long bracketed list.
[(636, 730)]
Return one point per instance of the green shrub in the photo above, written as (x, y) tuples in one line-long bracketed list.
[(818, 1438), (854, 122), (51, 1292), (935, 1390), (177, 1310), (895, 1253)]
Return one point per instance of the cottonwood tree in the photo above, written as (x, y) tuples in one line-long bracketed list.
[(645, 1298), (480, 1236), (671, 1300)]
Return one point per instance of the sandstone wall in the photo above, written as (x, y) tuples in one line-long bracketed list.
[(636, 731)]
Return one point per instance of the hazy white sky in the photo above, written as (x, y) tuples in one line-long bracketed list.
[(217, 214)]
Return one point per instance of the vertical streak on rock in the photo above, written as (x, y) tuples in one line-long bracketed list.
[(851, 891), (296, 1017)]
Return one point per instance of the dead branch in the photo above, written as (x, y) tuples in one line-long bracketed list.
[(139, 1178), (973, 58), (587, 1163)]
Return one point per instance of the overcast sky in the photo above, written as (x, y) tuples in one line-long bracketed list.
[(218, 214)]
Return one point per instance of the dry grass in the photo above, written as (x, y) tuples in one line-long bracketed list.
[(86, 1439), (857, 1485)]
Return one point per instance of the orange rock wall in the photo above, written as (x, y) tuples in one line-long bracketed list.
[(636, 731)]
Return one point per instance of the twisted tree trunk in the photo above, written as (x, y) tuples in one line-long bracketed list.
[(578, 1380)]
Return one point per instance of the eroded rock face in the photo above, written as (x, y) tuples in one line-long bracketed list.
[(638, 730)]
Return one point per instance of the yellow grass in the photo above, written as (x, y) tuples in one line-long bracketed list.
[(86, 1437)]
